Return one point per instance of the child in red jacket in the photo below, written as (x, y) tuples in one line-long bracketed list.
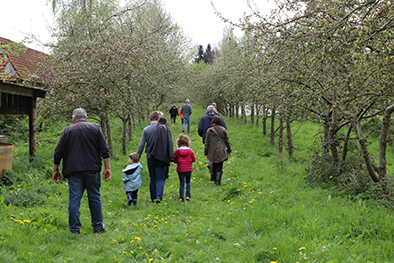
[(184, 157)]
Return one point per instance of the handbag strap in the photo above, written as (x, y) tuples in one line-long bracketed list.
[(213, 128)]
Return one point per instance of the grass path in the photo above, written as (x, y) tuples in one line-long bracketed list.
[(262, 213)]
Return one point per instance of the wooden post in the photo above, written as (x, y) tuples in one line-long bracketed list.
[(32, 128)]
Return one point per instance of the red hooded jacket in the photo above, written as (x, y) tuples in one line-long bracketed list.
[(184, 157)]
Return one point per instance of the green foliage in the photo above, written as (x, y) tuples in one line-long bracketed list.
[(16, 127), (262, 212)]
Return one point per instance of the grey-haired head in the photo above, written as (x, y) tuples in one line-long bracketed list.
[(79, 113), (187, 100), (210, 108)]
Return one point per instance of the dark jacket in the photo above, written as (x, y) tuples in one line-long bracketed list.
[(206, 123), (214, 148), (161, 146), (173, 111), (81, 146)]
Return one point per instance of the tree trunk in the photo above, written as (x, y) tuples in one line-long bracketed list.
[(333, 141), (272, 133), (237, 110), (383, 141), (106, 129), (289, 137), (346, 142), (365, 153), (280, 137), (244, 114), (257, 115), (252, 114), (124, 135), (129, 129)]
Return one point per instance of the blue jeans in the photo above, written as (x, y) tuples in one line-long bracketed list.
[(157, 173), (182, 177), (77, 183), (186, 119)]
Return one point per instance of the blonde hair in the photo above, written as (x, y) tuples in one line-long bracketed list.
[(183, 139)]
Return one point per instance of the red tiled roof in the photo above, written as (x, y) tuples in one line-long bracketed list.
[(26, 64)]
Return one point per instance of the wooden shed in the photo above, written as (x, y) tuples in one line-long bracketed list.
[(15, 97)]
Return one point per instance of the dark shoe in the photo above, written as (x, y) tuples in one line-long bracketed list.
[(75, 232), (158, 201), (100, 230), (183, 130), (188, 198), (134, 202), (218, 178), (213, 179), (129, 202)]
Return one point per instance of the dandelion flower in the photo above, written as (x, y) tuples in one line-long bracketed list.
[(274, 248), (301, 248), (124, 252), (138, 238), (271, 192)]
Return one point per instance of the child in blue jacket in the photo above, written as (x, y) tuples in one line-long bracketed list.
[(132, 178)]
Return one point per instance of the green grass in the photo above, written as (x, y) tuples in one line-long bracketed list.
[(263, 211)]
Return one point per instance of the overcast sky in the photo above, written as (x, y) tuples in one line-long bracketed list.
[(196, 17)]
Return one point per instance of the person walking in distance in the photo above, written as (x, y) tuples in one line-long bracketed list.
[(173, 112), (186, 112), (204, 124), (82, 147), (217, 147)]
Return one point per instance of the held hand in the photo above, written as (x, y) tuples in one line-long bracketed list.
[(107, 174), (56, 176)]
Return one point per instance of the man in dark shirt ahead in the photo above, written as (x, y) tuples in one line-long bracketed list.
[(82, 147)]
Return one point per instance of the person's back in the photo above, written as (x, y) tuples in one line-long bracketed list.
[(206, 123), (82, 148)]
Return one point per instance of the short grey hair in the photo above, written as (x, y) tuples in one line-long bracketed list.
[(187, 100), (210, 108), (79, 113)]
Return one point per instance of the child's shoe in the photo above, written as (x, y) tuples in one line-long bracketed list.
[(130, 199), (135, 202), (188, 197)]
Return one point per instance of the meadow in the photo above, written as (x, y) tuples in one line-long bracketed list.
[(263, 212)]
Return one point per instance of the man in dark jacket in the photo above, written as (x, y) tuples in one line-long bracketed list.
[(161, 150), (173, 113), (204, 124), (83, 148)]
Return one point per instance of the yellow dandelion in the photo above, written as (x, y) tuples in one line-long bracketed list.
[(271, 192), (138, 238), (131, 251), (330, 176), (274, 262), (124, 252), (301, 248), (151, 259), (274, 248), (140, 248)]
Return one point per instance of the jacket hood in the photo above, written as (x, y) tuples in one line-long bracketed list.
[(184, 151), (210, 115), (132, 166)]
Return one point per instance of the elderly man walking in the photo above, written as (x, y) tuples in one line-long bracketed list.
[(82, 147), (186, 111)]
